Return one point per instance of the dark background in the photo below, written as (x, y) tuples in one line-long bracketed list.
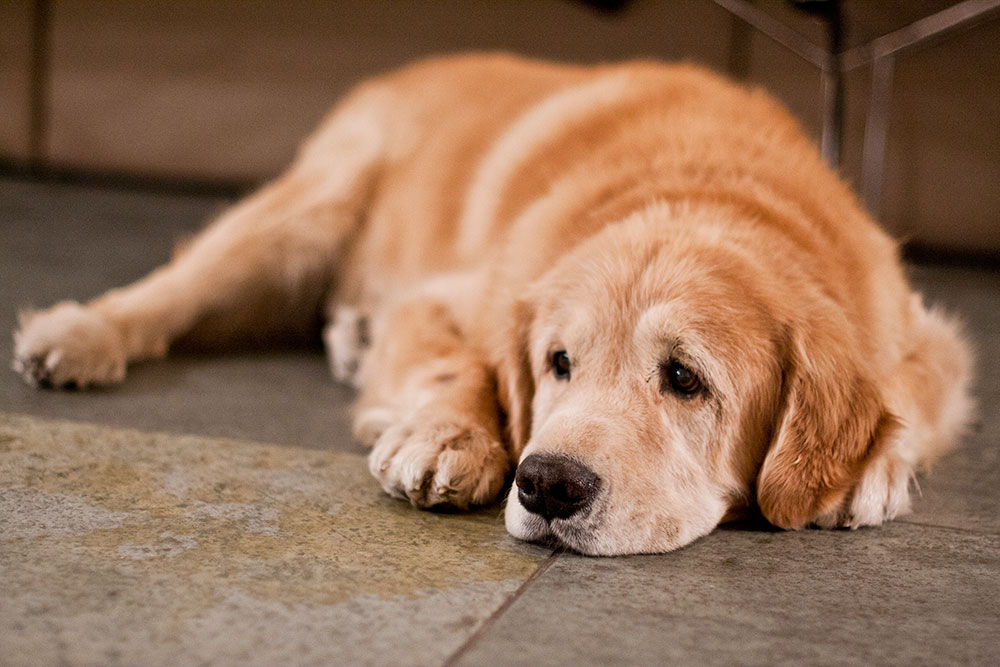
[(216, 94)]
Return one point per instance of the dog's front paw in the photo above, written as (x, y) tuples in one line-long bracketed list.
[(882, 494), (68, 345), (434, 460)]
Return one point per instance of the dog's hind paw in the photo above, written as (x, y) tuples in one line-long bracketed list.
[(435, 461), (68, 345)]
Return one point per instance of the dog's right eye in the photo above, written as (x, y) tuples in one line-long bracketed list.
[(560, 365), (680, 379)]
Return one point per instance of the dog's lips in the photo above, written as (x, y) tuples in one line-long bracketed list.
[(575, 532), (533, 527), (539, 531)]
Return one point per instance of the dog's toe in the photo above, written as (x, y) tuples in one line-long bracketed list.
[(68, 346), (434, 463)]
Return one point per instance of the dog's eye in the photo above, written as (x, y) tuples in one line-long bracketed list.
[(560, 365), (676, 377)]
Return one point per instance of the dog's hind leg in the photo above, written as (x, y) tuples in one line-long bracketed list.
[(260, 270), (429, 407)]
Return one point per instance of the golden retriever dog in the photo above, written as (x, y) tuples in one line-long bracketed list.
[(636, 284)]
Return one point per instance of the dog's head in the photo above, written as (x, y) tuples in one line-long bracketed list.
[(657, 381)]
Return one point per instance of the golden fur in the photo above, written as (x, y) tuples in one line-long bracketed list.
[(469, 217)]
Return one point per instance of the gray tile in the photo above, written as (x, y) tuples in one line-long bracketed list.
[(922, 590), (284, 397), (903, 594), (74, 242), (963, 490)]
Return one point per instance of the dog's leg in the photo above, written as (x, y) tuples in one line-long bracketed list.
[(429, 407), (262, 267)]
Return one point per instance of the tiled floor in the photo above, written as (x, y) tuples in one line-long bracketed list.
[(923, 590), (121, 547)]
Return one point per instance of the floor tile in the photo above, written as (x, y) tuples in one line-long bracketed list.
[(125, 547), (963, 489), (904, 594), (76, 242), (922, 590)]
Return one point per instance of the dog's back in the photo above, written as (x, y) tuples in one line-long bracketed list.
[(474, 142)]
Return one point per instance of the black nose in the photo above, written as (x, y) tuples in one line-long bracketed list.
[(555, 487)]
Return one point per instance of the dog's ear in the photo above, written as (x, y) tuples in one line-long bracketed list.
[(515, 382), (833, 420)]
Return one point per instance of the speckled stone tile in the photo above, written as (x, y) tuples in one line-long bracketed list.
[(900, 595), (125, 547)]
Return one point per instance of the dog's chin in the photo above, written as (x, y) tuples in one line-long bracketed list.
[(593, 533)]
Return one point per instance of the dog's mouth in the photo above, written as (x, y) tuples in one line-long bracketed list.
[(576, 532)]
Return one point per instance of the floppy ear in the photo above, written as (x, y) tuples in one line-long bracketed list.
[(833, 421), (515, 383)]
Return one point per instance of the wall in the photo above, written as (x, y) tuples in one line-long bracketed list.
[(222, 91)]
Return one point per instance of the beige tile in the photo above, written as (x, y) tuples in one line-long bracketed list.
[(15, 78), (124, 547)]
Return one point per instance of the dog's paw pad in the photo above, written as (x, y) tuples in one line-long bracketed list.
[(68, 346), (433, 462)]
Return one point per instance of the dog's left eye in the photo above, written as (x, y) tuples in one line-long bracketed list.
[(676, 377), (560, 365)]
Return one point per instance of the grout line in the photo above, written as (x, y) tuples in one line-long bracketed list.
[(501, 610), (957, 529)]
